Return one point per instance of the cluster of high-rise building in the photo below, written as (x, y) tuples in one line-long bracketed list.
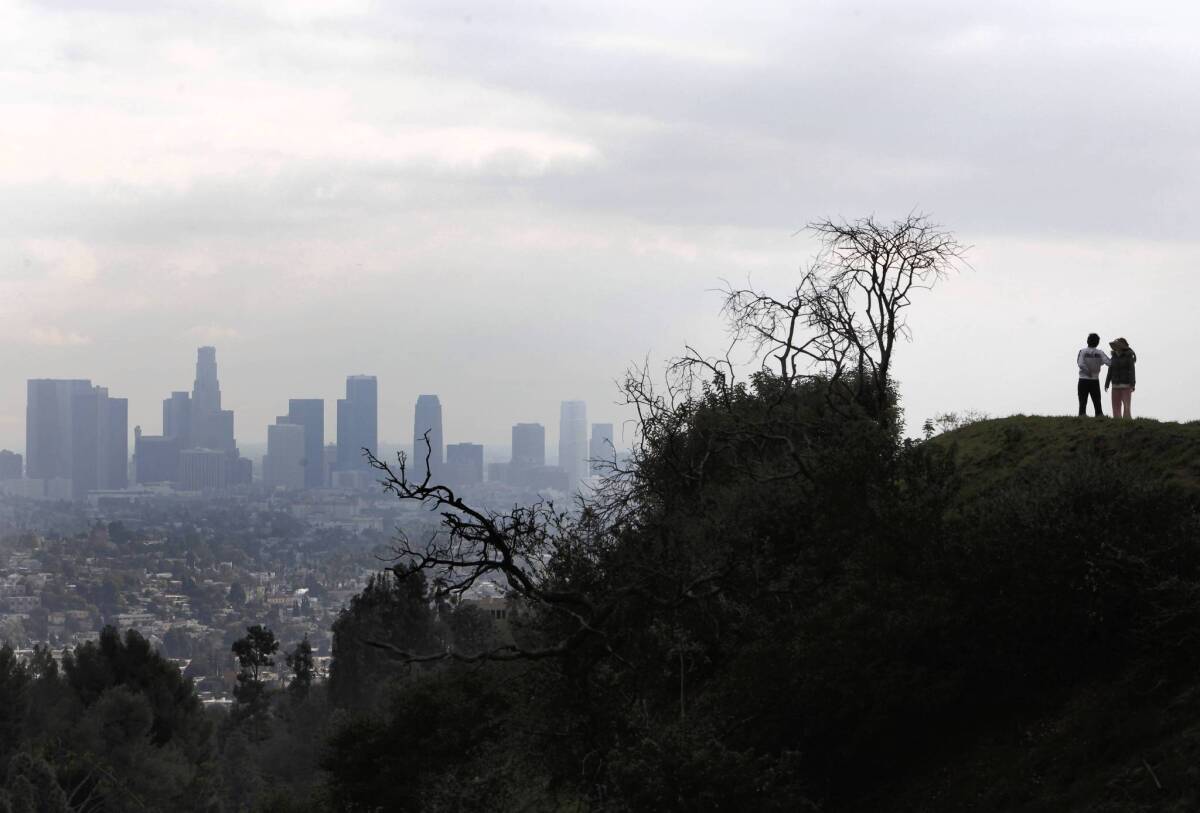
[(77, 442), (76, 438), (197, 450)]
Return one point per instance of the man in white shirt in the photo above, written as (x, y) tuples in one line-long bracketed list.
[(1089, 360)]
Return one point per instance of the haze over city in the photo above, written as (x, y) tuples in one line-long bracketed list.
[(507, 205)]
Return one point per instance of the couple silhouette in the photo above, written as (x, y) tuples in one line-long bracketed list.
[(1121, 376)]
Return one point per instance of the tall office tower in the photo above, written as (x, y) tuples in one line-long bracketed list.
[(464, 463), (203, 469), (357, 423), (284, 464), (99, 442), (212, 427), (329, 462), (601, 452), (115, 463), (48, 432), (528, 445), (310, 413), (10, 465), (427, 418), (177, 418), (206, 389), (155, 458), (572, 441), (75, 431)]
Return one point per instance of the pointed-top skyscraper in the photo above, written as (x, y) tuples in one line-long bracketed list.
[(206, 390), (212, 427)]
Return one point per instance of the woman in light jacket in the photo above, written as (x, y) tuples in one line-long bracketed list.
[(1121, 377)]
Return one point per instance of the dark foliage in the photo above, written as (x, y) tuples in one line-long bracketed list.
[(117, 728), (388, 611)]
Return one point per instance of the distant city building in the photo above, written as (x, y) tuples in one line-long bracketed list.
[(283, 465), (310, 413), (203, 469), (48, 433), (193, 421), (11, 465), (75, 431), (353, 480), (177, 418), (211, 426), (528, 445), (572, 442), (31, 489), (112, 421), (329, 462), (155, 458), (528, 469), (600, 449), (427, 418), (357, 423), (464, 464), (528, 478), (239, 471)]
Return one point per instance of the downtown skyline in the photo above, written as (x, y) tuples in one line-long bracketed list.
[(395, 420), (322, 413)]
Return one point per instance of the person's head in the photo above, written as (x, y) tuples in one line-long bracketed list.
[(1093, 340), (1119, 345)]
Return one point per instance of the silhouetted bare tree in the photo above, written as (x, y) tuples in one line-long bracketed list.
[(843, 318)]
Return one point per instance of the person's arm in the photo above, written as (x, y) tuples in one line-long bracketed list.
[(1107, 361), (1079, 362), (1107, 377), (1133, 372)]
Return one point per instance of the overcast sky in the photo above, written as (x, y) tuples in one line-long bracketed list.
[(507, 203)]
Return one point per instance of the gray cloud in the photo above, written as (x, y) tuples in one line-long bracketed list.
[(506, 203)]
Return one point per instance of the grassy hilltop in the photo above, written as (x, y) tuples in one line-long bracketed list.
[(1098, 515), (1153, 451)]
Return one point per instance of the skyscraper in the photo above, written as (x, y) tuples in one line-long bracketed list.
[(310, 413), (99, 442), (177, 418), (357, 423), (114, 466), (206, 389), (572, 442), (76, 431), (48, 432), (528, 445), (464, 463), (284, 463), (600, 448), (211, 426), (155, 458), (427, 418)]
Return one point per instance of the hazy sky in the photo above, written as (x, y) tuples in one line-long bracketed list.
[(507, 203)]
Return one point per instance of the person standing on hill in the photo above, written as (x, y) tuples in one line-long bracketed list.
[(1089, 360), (1122, 377)]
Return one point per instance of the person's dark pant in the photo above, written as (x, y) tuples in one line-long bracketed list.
[(1089, 387)]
